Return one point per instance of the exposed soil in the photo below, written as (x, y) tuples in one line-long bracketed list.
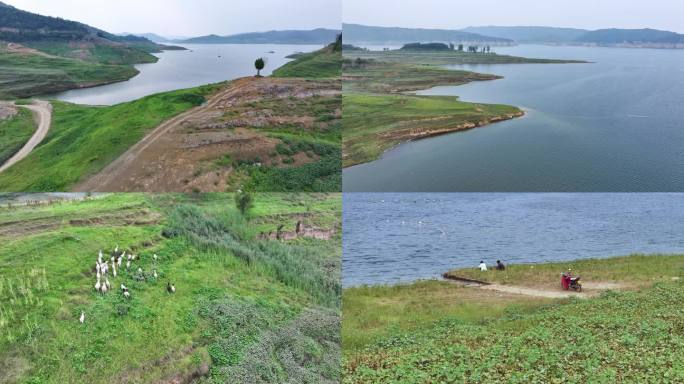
[(20, 49), (589, 289), (195, 150), (417, 133), (7, 110), (122, 218)]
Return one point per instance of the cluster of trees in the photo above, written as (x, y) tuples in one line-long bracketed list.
[(476, 49)]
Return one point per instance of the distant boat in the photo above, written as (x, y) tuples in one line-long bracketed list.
[(271, 51)]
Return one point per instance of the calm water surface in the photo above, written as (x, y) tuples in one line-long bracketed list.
[(614, 125), (402, 237), (199, 65)]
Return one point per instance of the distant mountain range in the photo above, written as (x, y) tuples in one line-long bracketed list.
[(67, 38), (315, 36), (530, 34), (362, 34), (602, 37), (499, 35)]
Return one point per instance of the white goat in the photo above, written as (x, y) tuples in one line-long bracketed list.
[(82, 318)]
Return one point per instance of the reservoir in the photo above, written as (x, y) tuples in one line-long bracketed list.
[(199, 65), (403, 237), (616, 124)]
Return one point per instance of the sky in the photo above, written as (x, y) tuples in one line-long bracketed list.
[(457, 14), (191, 17)]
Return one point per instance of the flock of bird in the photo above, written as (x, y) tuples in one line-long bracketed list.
[(103, 268)]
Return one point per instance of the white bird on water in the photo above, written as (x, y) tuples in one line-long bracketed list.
[(82, 318)]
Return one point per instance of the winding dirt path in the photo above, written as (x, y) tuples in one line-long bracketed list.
[(42, 111), (589, 289), (109, 177)]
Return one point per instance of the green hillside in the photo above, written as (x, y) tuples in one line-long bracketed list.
[(244, 310), (42, 55), (323, 63)]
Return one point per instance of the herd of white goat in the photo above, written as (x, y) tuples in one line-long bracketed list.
[(104, 267)]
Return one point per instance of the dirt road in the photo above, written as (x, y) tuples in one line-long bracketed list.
[(589, 289), (42, 110), (179, 155)]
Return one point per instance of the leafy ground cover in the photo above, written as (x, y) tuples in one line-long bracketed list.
[(243, 311), (628, 336)]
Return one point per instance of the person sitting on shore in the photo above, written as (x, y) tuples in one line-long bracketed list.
[(500, 266), (483, 266)]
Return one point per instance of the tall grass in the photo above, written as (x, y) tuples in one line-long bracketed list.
[(295, 265)]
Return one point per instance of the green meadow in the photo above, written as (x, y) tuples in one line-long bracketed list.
[(15, 132), (245, 310), (441, 332)]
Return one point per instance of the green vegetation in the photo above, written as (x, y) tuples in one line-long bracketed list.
[(375, 313), (443, 332), (244, 311), (84, 139), (25, 75), (375, 123), (323, 63), (318, 142), (15, 132), (259, 64)]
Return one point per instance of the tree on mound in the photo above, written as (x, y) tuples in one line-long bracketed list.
[(259, 64)]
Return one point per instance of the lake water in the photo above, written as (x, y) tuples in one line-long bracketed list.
[(402, 237), (199, 65), (614, 125)]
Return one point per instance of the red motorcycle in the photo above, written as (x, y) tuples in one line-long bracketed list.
[(569, 282)]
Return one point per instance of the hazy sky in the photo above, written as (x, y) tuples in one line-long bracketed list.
[(456, 14), (191, 17)]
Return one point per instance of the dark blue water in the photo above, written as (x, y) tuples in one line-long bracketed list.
[(402, 237), (614, 125), (199, 65)]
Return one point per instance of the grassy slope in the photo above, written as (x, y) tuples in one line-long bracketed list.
[(225, 311), (84, 139), (629, 336), (377, 118), (323, 63), (15, 132), (25, 75)]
